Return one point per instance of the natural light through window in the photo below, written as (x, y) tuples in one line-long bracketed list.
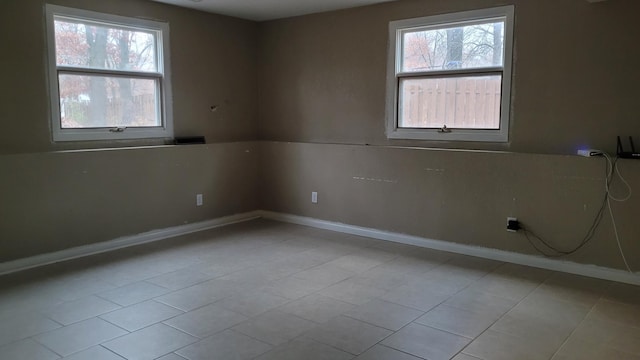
[(450, 75), (108, 76)]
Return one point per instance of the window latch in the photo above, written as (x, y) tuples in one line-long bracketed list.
[(444, 129), (118, 129)]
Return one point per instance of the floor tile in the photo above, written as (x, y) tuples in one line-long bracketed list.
[(24, 299), (206, 320), (382, 278), (543, 321), (292, 288), (317, 308), (443, 280), (150, 343), (171, 356), (507, 287), (307, 349), (426, 342), (495, 345), (384, 314), (416, 298), (26, 349), (350, 335), (225, 345), (73, 311), (179, 279), (462, 356), (75, 289), (79, 336), (358, 263), (274, 327), (609, 334), (479, 301), (467, 323), (136, 317), (478, 266), (324, 275), (252, 303), (130, 274), (617, 312), (133, 293), (592, 350), (255, 276), (282, 291), (23, 325), (381, 352), (573, 288), (352, 292), (623, 293), (523, 273), (199, 295), (94, 353)]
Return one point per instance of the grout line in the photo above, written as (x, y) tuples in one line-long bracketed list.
[(507, 312)]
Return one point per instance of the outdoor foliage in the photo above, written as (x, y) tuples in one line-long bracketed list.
[(470, 101), (95, 100)]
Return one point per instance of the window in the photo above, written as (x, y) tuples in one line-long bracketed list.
[(108, 76), (449, 76)]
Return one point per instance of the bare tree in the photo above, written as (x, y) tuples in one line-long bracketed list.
[(98, 101), (455, 42), (97, 40)]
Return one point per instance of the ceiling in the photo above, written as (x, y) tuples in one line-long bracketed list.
[(261, 10)]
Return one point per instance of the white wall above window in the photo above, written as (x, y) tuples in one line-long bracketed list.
[(449, 76)]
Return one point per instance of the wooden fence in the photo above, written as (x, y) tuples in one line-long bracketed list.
[(457, 102), (142, 112)]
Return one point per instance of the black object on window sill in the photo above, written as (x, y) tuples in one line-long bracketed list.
[(188, 140)]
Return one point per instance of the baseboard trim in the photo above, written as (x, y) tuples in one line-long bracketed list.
[(123, 242), (594, 271)]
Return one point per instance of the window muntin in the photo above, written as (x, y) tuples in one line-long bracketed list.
[(108, 76), (450, 76)]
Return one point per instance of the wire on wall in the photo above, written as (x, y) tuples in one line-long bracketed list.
[(549, 250)]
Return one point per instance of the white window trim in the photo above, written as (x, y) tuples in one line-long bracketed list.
[(393, 68), (164, 75)]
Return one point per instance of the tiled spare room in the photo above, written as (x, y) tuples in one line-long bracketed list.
[(269, 290), (319, 180)]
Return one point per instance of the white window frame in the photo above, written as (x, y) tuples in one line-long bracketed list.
[(394, 74), (163, 77)]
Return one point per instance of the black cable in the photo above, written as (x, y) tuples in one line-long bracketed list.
[(592, 229)]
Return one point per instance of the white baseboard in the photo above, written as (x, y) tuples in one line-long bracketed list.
[(150, 236), (487, 253)]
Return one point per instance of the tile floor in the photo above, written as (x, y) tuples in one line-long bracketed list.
[(269, 290)]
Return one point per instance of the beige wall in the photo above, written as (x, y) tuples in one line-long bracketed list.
[(576, 74), (459, 196), (321, 90), (53, 200), (576, 82), (213, 62)]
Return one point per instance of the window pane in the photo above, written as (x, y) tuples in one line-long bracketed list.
[(100, 101), (471, 102), (462, 47), (102, 47)]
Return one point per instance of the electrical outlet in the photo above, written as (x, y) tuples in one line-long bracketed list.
[(512, 224), (314, 197), (199, 200)]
